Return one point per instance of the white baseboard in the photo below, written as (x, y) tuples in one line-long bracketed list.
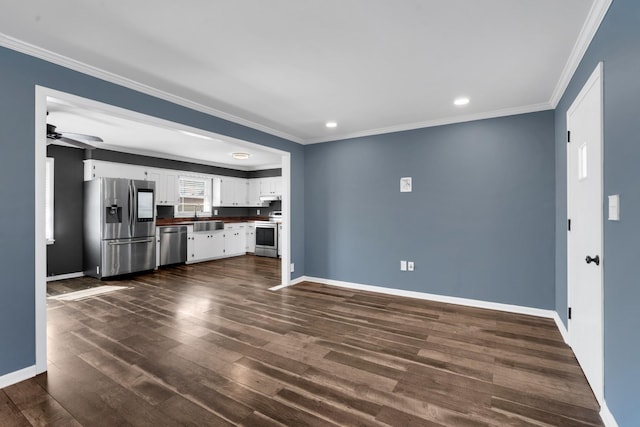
[(65, 276), (17, 376), (607, 416), (291, 283), (298, 280), (434, 297), (561, 327)]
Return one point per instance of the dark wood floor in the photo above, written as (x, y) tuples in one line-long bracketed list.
[(210, 345)]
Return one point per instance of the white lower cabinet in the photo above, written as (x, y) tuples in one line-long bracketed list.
[(205, 245), (251, 237), (235, 240), (208, 245)]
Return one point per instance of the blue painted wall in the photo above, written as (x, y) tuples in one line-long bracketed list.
[(479, 223), (617, 43), (18, 76), (486, 219)]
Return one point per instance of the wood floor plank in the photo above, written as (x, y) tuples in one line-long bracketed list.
[(328, 409), (256, 419), (209, 345), (318, 389), (186, 412), (10, 414)]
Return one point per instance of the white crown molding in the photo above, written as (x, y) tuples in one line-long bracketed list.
[(595, 16), (437, 122), (38, 52), (17, 376), (531, 311)]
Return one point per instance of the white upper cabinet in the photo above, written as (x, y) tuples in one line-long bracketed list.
[(230, 192), (226, 192), (253, 196), (166, 186), (271, 186), (100, 169)]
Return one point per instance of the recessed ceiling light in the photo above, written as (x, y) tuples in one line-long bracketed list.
[(461, 101), (186, 132), (240, 156), (331, 124)]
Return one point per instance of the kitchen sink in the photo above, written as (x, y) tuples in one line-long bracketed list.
[(207, 226)]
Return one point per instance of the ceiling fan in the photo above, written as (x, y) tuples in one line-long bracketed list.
[(71, 138)]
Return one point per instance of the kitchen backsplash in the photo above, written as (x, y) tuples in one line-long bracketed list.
[(163, 212), (264, 211)]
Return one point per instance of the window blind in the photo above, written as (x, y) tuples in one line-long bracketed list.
[(192, 187)]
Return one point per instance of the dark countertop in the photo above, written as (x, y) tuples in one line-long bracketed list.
[(188, 221)]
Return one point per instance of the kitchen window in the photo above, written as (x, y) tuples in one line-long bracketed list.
[(194, 196), (48, 207)]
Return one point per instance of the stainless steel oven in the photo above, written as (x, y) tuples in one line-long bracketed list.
[(267, 238)]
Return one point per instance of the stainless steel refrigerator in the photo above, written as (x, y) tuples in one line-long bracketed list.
[(119, 226)]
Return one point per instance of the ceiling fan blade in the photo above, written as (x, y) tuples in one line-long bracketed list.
[(76, 143), (82, 136)]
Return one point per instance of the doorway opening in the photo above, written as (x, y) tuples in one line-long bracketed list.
[(44, 98)]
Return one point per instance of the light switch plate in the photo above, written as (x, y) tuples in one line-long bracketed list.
[(405, 184), (403, 265)]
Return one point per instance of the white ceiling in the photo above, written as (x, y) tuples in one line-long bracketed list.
[(138, 134), (288, 66)]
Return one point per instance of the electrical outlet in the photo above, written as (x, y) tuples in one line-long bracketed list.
[(257, 211), (215, 211), (403, 265), (293, 267), (410, 265)]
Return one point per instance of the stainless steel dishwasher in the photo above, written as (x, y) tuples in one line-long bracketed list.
[(173, 244)]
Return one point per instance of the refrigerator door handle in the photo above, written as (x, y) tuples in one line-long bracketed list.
[(130, 209)]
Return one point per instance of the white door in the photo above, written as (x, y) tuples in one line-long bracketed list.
[(584, 240)]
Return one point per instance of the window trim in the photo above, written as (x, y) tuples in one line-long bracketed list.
[(207, 206)]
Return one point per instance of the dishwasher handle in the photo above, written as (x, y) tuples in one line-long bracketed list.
[(129, 242)]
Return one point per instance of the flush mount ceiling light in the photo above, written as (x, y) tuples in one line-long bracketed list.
[(240, 156), (331, 124), (461, 101)]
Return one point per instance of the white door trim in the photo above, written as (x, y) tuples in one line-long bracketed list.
[(595, 78), (40, 267), (40, 232)]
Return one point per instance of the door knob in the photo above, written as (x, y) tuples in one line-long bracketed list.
[(595, 259)]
